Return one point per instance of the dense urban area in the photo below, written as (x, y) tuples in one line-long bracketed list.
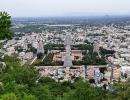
[(75, 58)]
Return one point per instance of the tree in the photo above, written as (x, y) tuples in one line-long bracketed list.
[(29, 97), (5, 24), (102, 69), (9, 96), (122, 90), (105, 51), (19, 83), (39, 55), (34, 50), (41, 92), (84, 91), (2, 67)]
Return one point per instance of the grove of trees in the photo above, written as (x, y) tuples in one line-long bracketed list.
[(48, 61), (48, 47), (105, 51), (21, 83), (90, 57)]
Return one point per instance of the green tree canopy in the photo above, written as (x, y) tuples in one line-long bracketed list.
[(20, 83), (5, 24)]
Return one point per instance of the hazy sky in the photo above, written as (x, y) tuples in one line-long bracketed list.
[(28, 8)]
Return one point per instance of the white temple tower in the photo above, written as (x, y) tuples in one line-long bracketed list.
[(68, 59), (40, 48)]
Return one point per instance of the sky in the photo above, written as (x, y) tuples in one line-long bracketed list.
[(45, 8)]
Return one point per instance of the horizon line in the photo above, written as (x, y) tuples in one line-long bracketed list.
[(71, 16)]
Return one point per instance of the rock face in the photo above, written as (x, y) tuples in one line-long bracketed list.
[(68, 60)]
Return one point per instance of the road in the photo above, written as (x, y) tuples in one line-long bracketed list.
[(112, 67), (109, 64), (35, 58)]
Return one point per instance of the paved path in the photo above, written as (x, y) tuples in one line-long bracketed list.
[(35, 58)]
